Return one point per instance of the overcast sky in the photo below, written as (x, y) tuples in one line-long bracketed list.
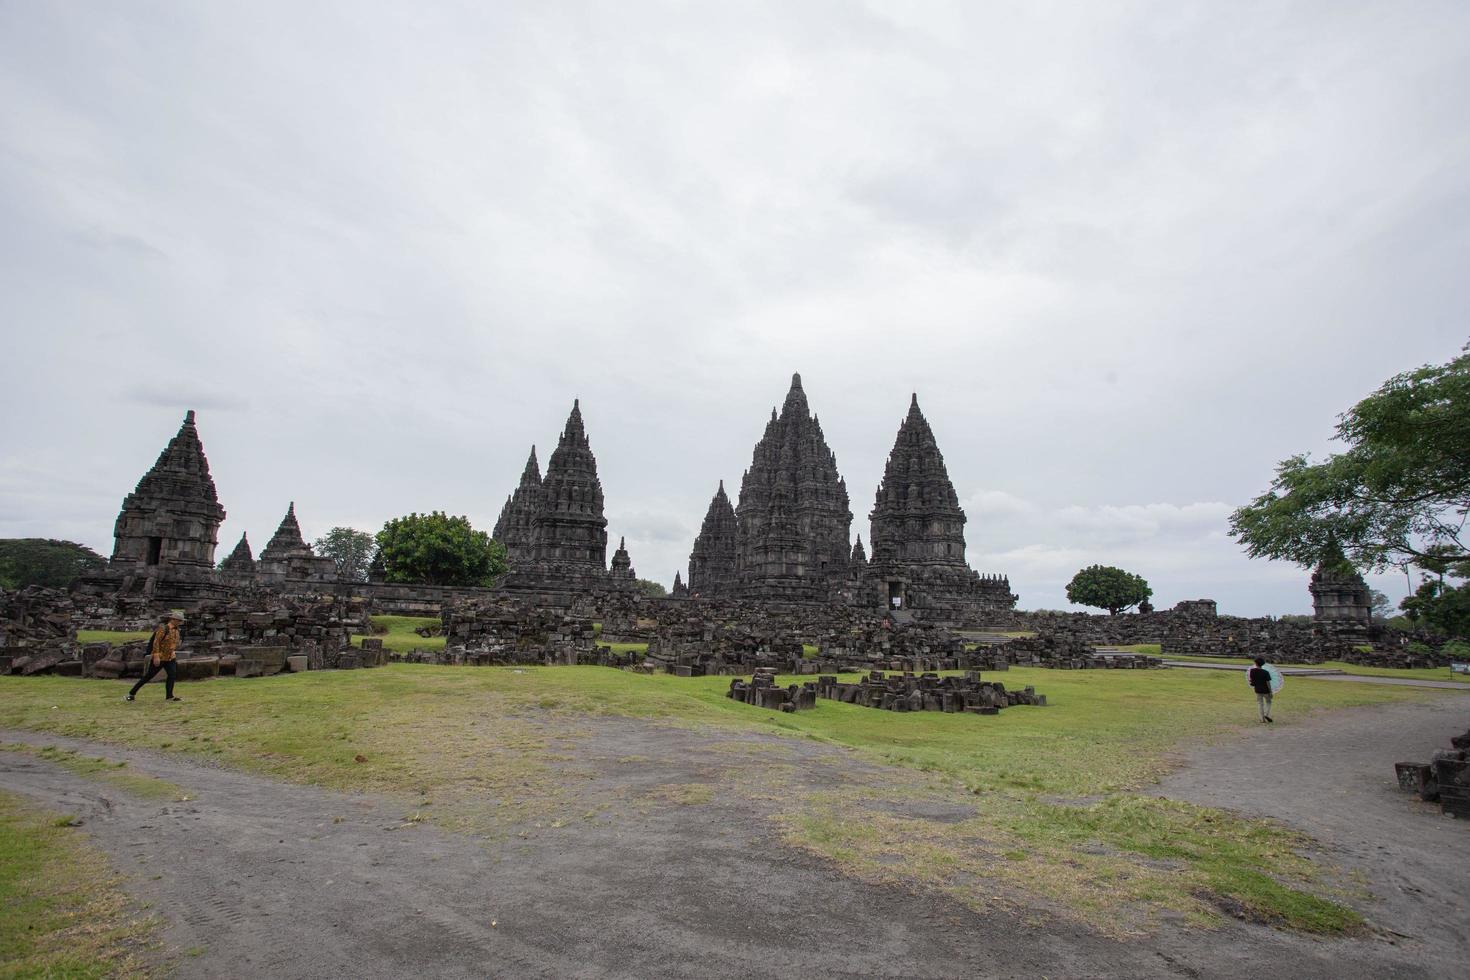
[(1130, 255)]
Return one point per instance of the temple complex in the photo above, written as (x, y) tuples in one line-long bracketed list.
[(793, 519), (514, 528), (287, 555), (712, 570), (172, 518), (918, 534)]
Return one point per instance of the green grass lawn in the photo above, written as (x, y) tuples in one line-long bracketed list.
[(460, 734), (62, 912), (111, 636), (398, 636)]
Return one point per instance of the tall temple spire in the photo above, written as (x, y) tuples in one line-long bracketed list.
[(916, 516), (513, 529), (918, 533), (793, 519), (712, 560), (173, 515), (569, 528)]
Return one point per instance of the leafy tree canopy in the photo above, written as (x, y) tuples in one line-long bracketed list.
[(1398, 494), (43, 561), (1106, 587), (435, 549), (351, 549), (651, 588)]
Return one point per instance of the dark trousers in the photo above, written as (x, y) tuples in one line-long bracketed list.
[(169, 667)]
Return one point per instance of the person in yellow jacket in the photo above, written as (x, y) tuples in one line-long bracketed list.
[(161, 656)]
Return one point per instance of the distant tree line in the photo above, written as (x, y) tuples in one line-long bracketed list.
[(45, 561)]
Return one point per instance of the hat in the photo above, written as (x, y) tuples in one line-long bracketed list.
[(175, 614)]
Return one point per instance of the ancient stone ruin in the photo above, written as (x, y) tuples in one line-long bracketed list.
[(240, 561), (763, 692), (287, 555), (1445, 779), (918, 536), (167, 531), (563, 550), (712, 564), (1340, 597), (172, 517), (622, 564), (793, 521), (927, 692), (518, 517)]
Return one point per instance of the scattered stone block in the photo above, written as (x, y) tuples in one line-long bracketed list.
[(297, 664)]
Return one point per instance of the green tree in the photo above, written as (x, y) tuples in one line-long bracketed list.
[(351, 549), (1382, 604), (1399, 493), (1442, 605), (1106, 587), (435, 549), (43, 561), (651, 588)]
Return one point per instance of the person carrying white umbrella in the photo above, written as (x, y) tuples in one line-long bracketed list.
[(1265, 680)]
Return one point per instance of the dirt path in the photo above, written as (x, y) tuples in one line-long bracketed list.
[(1332, 776), (263, 879)]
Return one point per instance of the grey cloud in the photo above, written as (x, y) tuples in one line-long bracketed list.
[(392, 261), (167, 392)]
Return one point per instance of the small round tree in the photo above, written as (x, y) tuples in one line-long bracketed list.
[(435, 549), (1106, 587)]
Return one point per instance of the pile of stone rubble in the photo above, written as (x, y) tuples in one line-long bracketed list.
[(927, 692), (1444, 780), (762, 692)]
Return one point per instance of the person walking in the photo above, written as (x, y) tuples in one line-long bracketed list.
[(1260, 681), (161, 656)]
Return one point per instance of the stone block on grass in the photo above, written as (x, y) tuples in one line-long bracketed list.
[(198, 668)]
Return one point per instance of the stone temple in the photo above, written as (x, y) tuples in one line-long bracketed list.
[(918, 535), (172, 518), (793, 520), (287, 555), (564, 547), (712, 568), (517, 518), (1340, 597), (240, 561)]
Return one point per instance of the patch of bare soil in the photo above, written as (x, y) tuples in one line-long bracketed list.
[(662, 862)]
